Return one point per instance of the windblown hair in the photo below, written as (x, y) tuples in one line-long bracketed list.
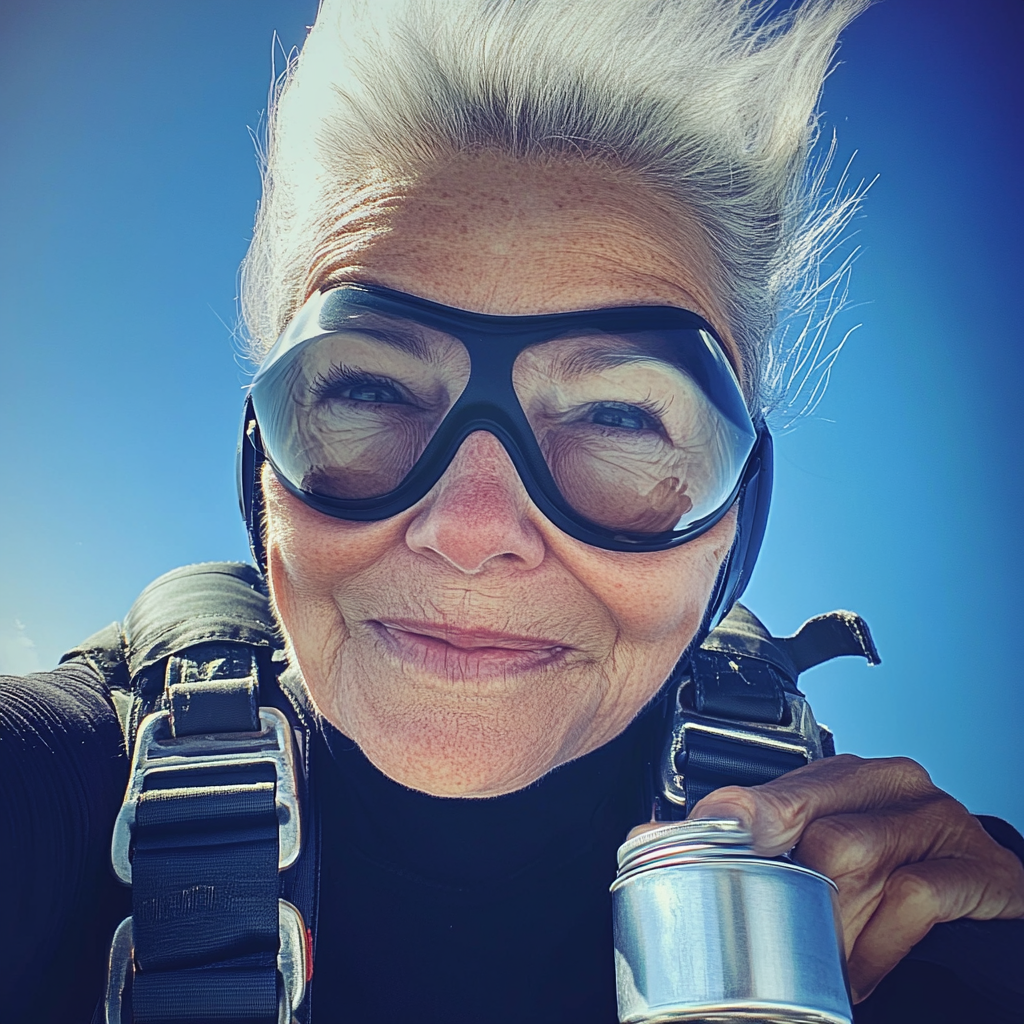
[(711, 103)]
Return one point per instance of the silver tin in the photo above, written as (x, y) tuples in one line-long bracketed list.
[(706, 930)]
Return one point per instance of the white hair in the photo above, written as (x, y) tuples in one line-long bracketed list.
[(710, 102)]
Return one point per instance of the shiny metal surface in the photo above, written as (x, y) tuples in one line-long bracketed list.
[(291, 954), (716, 835), (156, 749), (705, 930), (799, 735), (119, 966)]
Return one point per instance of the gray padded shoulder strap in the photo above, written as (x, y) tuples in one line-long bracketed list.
[(209, 602), (218, 803)]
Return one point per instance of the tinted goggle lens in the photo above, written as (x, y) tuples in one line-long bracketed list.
[(636, 429)]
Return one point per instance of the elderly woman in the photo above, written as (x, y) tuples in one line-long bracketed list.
[(513, 288)]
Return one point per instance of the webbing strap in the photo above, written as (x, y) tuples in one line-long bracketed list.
[(204, 875), (205, 881), (711, 762), (749, 693), (214, 689), (736, 687), (210, 833), (829, 636), (220, 996)]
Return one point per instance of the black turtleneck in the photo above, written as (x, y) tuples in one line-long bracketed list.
[(493, 910)]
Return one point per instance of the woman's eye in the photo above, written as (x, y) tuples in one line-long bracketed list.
[(350, 384), (622, 417), (382, 394)]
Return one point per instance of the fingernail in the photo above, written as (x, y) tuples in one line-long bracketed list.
[(722, 810)]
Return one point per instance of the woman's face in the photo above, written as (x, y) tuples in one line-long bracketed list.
[(467, 645)]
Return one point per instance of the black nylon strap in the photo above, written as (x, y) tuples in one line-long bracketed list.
[(212, 688), (711, 762), (742, 689), (202, 946), (737, 687), (732, 688), (220, 996), (198, 708), (829, 636), (204, 875), (205, 880)]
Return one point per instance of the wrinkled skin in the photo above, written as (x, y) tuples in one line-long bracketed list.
[(469, 647)]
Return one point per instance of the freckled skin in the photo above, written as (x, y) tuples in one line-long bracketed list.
[(475, 553)]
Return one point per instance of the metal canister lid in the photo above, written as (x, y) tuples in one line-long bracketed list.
[(710, 834)]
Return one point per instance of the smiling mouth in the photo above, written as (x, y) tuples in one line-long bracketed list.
[(458, 654)]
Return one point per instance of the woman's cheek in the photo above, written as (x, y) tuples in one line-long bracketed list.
[(658, 596), (309, 557)]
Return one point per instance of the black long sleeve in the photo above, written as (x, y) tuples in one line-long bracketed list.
[(63, 771)]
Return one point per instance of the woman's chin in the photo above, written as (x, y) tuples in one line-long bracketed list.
[(458, 754)]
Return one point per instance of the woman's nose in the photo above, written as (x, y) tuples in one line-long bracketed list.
[(479, 511)]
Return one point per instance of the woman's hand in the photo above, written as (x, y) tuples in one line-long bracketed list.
[(904, 854)]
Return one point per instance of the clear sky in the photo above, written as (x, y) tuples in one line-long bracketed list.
[(127, 190)]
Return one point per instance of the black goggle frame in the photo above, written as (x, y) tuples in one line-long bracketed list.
[(489, 403)]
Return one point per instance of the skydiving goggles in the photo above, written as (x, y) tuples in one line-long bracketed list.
[(627, 425)]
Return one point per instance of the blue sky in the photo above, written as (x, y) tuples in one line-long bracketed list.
[(127, 189)]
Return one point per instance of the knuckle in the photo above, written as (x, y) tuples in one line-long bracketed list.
[(784, 807), (843, 760), (907, 774), (1011, 865), (952, 814), (858, 852), (741, 794), (838, 846), (1001, 865), (916, 893)]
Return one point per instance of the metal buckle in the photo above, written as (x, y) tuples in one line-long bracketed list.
[(292, 960), (119, 964), (292, 964), (799, 735), (156, 749)]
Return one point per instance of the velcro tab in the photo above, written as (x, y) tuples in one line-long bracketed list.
[(829, 636)]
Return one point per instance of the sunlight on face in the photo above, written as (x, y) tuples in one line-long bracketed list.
[(467, 645)]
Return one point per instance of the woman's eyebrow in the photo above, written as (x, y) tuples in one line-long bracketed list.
[(406, 339), (579, 364)]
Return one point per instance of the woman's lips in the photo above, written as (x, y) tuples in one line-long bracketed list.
[(459, 654)]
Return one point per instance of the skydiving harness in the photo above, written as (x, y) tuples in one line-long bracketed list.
[(218, 833)]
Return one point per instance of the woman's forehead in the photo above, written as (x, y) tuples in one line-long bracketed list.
[(516, 237)]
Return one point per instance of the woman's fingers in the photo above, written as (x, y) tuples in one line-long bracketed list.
[(917, 896), (860, 852), (778, 812), (854, 851)]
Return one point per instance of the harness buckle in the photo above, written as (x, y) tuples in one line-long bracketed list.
[(797, 736), (158, 750), (293, 965)]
